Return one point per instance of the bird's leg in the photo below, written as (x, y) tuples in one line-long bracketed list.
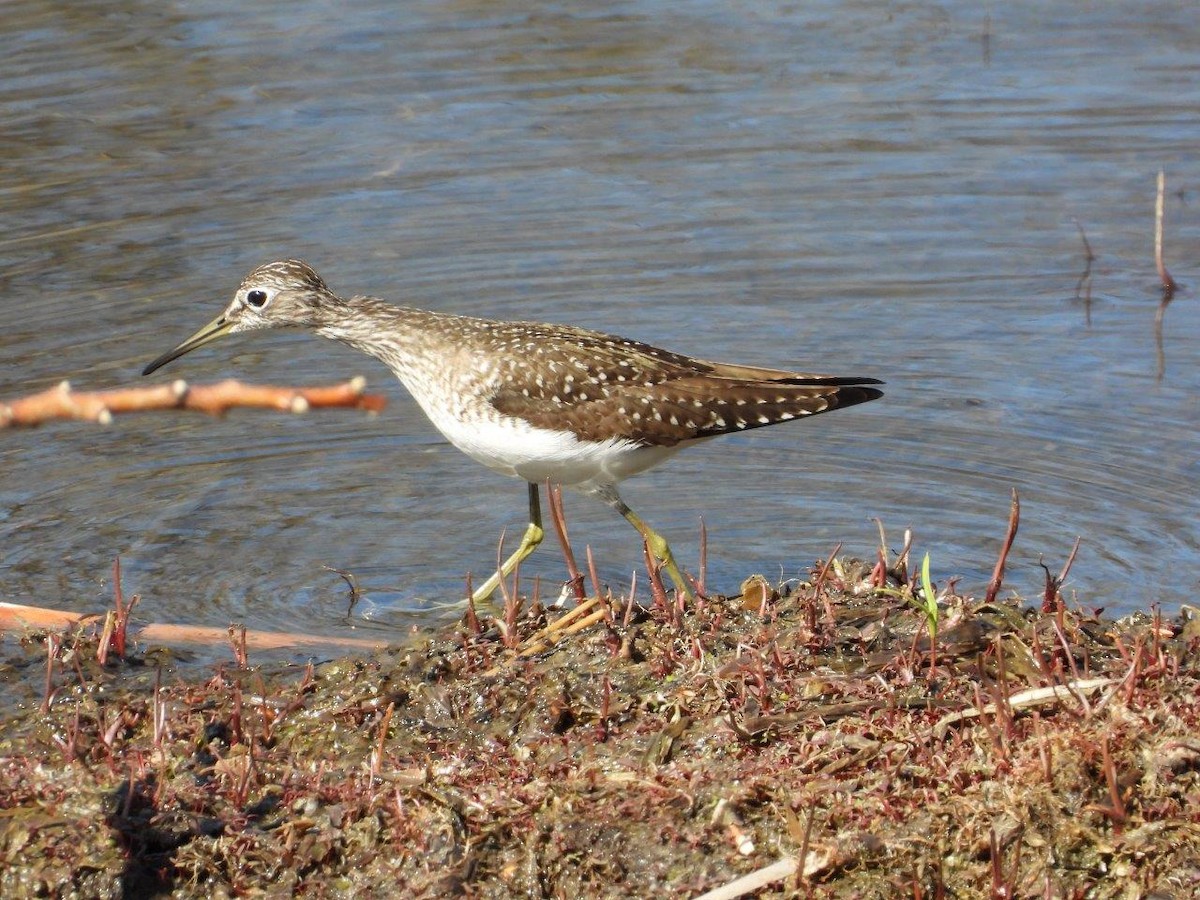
[(529, 542), (659, 548)]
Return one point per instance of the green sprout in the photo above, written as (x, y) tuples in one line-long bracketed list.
[(927, 601)]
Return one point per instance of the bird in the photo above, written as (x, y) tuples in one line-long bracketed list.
[(541, 402)]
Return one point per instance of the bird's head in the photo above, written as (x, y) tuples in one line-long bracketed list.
[(281, 294)]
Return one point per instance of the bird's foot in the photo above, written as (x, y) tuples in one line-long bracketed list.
[(661, 551), (533, 536)]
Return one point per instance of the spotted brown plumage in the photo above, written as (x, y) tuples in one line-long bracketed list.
[(539, 401)]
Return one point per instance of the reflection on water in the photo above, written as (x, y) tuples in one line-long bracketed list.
[(871, 190)]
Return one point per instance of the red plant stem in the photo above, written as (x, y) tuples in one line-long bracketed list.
[(1014, 519)]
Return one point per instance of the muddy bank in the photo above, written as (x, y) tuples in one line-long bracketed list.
[(807, 732)]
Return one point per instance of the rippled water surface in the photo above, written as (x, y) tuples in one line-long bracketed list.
[(867, 188)]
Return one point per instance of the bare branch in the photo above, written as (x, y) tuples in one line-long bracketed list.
[(61, 402), (1168, 283)]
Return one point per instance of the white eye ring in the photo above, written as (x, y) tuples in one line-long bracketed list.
[(256, 298)]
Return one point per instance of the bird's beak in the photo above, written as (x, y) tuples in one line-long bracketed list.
[(218, 327)]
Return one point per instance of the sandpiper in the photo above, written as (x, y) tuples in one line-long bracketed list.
[(536, 401)]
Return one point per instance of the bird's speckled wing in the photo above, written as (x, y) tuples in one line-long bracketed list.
[(600, 386)]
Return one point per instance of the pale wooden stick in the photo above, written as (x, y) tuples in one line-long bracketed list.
[(1022, 699), (748, 884), (14, 617), (546, 640), (1168, 283)]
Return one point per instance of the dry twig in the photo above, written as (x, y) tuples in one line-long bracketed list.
[(755, 881), (1168, 283), (1022, 699), (15, 617), (61, 402), (1014, 519)]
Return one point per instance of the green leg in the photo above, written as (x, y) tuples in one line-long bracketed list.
[(659, 548), (529, 542)]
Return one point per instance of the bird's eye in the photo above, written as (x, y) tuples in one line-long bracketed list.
[(257, 299)]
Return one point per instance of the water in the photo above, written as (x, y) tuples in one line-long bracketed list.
[(877, 189)]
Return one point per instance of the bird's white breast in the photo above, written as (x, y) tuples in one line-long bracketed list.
[(513, 447)]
